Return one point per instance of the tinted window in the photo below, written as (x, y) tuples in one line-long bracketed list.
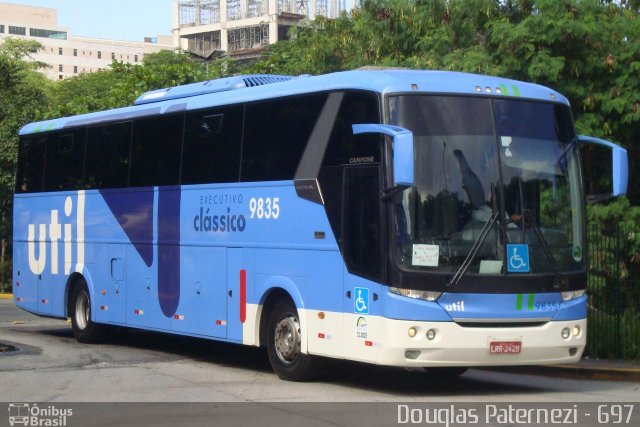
[(107, 159), (362, 231), (357, 107), (64, 161), (212, 143), (275, 135), (31, 164), (156, 150)]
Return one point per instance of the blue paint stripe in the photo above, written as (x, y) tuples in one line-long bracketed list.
[(169, 249)]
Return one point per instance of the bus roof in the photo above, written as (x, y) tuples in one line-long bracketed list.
[(239, 89)]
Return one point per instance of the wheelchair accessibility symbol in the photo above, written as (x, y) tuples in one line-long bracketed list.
[(361, 301), (518, 259)]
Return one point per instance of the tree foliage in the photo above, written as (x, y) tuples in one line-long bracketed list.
[(23, 95), (120, 85)]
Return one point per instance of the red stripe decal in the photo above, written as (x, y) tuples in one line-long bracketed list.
[(243, 296), (368, 343), (321, 335)]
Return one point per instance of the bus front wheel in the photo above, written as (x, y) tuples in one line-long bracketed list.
[(83, 327), (284, 345)]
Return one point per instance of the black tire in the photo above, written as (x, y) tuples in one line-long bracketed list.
[(283, 345), (445, 373), (84, 328)]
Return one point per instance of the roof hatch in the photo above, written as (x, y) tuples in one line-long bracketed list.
[(210, 86)]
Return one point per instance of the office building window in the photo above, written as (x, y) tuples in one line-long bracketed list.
[(113, 56), (60, 68), (99, 55), (135, 58), (75, 52), (59, 51), (75, 69), (2, 29), (18, 31), (47, 34), (60, 77)]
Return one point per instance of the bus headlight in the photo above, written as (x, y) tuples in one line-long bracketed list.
[(412, 293), (568, 296)]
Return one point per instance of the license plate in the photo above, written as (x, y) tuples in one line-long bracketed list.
[(505, 347)]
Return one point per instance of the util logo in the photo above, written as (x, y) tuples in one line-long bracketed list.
[(54, 232)]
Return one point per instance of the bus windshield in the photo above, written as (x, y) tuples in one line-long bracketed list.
[(508, 166)]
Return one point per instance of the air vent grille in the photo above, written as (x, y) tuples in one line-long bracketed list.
[(264, 80), (211, 86)]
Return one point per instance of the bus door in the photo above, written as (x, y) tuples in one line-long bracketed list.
[(362, 251), (203, 292), (26, 283), (111, 292)]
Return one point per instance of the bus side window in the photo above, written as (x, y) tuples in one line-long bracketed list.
[(361, 223), (346, 150), (31, 165), (275, 136), (212, 142), (64, 161), (155, 151), (107, 158)]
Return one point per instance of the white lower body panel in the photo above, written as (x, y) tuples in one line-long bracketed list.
[(383, 341)]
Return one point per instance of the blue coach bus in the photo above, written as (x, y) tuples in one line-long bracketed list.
[(401, 218)]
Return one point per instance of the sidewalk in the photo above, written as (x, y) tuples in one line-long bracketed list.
[(586, 369)]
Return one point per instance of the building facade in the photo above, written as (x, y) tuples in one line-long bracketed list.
[(244, 27), (65, 54)]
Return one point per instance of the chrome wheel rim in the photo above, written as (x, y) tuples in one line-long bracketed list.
[(287, 339), (83, 310)]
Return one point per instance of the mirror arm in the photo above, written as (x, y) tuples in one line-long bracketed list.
[(402, 150)]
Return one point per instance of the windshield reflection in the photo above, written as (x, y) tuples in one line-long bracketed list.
[(478, 157)]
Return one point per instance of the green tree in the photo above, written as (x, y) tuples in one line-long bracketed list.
[(23, 95), (120, 85)]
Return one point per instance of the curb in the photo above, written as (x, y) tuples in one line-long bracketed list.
[(575, 372), (6, 296)]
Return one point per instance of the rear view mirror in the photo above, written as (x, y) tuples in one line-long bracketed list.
[(402, 150), (619, 168)]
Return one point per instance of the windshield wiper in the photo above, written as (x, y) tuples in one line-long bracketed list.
[(528, 217), (563, 156), (486, 228)]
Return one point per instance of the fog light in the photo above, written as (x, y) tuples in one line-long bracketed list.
[(431, 334), (576, 331), (412, 332), (566, 333), (412, 354)]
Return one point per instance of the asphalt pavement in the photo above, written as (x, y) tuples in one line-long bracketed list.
[(591, 369)]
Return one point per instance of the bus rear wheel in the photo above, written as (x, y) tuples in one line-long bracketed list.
[(284, 345), (85, 330)]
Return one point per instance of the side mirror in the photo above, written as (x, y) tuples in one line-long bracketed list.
[(619, 167), (402, 150)]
